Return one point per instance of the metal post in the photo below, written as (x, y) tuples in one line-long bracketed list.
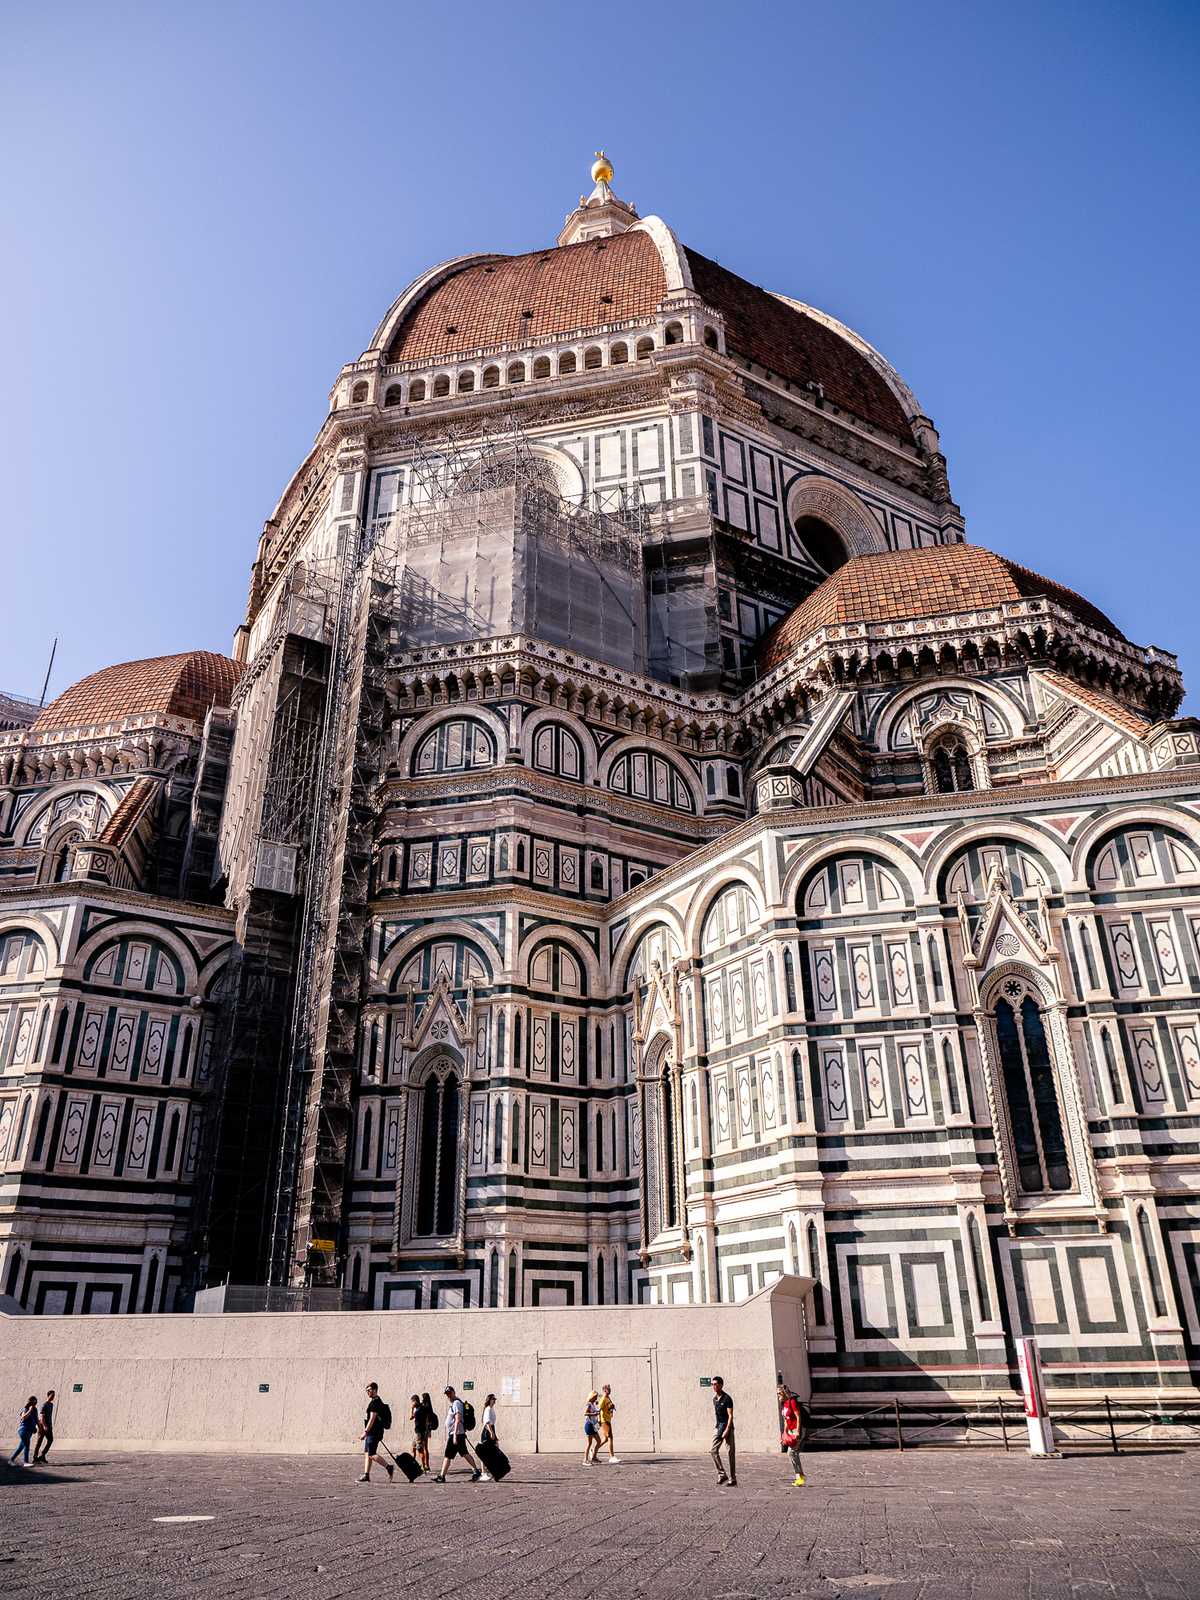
[(1003, 1425), (899, 1430), (1112, 1432)]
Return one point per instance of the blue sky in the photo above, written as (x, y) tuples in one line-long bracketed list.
[(208, 208)]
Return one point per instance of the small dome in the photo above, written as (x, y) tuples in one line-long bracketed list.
[(902, 584), (174, 686)]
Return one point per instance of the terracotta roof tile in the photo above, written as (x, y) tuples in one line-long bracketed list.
[(1095, 700), (561, 288), (778, 337), (929, 582), (176, 686)]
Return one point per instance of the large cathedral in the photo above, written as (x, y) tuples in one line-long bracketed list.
[(636, 848)]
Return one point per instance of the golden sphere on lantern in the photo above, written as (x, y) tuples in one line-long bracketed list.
[(602, 168)]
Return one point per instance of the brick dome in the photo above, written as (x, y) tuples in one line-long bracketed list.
[(902, 584), (485, 303), (182, 686), (543, 295)]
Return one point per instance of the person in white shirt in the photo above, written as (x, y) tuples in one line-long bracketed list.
[(456, 1440), (488, 1431)]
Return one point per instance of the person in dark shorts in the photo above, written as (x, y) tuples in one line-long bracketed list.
[(45, 1428), (374, 1426), (723, 1411), (456, 1440)]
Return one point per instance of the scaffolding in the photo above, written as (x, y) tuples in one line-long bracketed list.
[(481, 542)]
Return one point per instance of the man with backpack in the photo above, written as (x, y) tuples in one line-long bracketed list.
[(375, 1424), (460, 1419)]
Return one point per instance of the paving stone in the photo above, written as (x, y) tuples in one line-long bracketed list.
[(931, 1525)]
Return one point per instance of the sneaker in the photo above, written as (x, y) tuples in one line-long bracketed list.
[(721, 1482), (798, 1481), (366, 1478), (476, 1476), (614, 1461), (439, 1479), (486, 1478)]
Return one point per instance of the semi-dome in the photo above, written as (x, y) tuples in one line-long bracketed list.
[(899, 585), (182, 686)]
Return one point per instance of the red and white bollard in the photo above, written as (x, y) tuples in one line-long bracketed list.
[(1037, 1416)]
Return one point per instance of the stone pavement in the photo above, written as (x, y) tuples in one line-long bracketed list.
[(930, 1525)]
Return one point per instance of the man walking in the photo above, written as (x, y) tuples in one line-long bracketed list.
[(375, 1424), (723, 1411), (607, 1406), (456, 1440), (45, 1431)]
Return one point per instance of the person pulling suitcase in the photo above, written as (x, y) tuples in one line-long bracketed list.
[(488, 1449), (375, 1424)]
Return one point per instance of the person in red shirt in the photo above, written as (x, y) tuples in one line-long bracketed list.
[(791, 1431)]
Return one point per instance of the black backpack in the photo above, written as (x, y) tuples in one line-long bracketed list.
[(468, 1416), (385, 1415)]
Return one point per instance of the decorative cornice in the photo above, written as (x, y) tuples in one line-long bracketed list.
[(916, 808)]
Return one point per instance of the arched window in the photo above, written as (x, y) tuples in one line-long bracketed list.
[(22, 957), (393, 395), (553, 966), (710, 338), (645, 776), (62, 857), (824, 547), (359, 394), (812, 1244), (592, 358), (437, 1184), (645, 349), (669, 1197), (541, 367), (951, 1077), (416, 389), (674, 333), (466, 382), (441, 385), (491, 377), (567, 363), (1031, 1092), (732, 915), (455, 745), (516, 372), (952, 772), (618, 355), (556, 749)]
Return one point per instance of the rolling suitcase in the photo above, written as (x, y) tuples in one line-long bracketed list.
[(493, 1458), (409, 1465)]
